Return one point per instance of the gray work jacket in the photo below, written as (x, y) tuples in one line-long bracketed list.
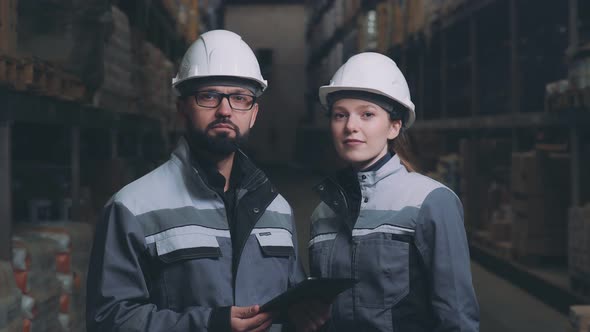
[(407, 248), (162, 256)]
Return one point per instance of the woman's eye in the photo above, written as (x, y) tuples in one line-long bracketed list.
[(338, 116), (368, 114)]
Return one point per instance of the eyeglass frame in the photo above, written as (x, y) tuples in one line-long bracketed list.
[(223, 96)]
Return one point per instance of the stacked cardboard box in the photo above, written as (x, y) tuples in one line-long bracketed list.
[(579, 244), (8, 20), (155, 77), (540, 198), (186, 15), (118, 92), (351, 8), (34, 271), (72, 244), (399, 28), (10, 300), (384, 25), (416, 16), (483, 174)]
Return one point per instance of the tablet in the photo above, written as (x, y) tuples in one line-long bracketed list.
[(323, 289)]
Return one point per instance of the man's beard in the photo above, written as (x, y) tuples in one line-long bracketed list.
[(220, 144)]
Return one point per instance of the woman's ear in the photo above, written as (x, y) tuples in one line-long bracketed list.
[(394, 129)]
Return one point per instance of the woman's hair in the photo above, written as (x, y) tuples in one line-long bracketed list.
[(402, 146)]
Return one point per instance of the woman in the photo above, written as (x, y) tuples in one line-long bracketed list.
[(399, 233)]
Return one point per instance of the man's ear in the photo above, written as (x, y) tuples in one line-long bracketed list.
[(254, 111)]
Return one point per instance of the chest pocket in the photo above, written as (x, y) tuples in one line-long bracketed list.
[(187, 246), (381, 262), (275, 242)]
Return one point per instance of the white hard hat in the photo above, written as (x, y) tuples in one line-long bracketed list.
[(219, 53), (374, 73)]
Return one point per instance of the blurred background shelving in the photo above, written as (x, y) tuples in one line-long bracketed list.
[(502, 89)]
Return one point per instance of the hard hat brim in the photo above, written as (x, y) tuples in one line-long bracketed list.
[(263, 83), (325, 90)]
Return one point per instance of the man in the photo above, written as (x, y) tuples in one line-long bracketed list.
[(200, 242)]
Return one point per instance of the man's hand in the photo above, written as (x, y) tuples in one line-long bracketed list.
[(249, 319), (309, 316)]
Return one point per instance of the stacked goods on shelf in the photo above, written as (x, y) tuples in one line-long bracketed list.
[(574, 92), (483, 174), (68, 34), (579, 245), (191, 29), (39, 77), (186, 15), (72, 244), (155, 77), (384, 26), (447, 171), (579, 72), (8, 20), (540, 198), (398, 13), (500, 230), (11, 319), (117, 92), (33, 260), (416, 16), (451, 6), (432, 12), (579, 318), (350, 9)]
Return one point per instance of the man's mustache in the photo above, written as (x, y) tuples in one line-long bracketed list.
[(224, 121)]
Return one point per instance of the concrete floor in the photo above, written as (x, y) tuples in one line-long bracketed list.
[(503, 307), (506, 308)]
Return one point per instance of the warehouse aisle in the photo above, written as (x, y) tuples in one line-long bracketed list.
[(507, 308)]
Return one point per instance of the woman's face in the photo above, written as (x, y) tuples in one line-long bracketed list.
[(360, 130)]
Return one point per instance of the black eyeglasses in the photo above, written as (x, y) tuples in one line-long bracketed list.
[(237, 101)]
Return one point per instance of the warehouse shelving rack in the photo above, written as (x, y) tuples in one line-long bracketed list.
[(78, 128), (474, 75)]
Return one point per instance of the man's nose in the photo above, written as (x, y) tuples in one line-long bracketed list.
[(224, 108)]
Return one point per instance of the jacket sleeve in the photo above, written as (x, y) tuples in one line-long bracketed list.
[(441, 240), (118, 287)]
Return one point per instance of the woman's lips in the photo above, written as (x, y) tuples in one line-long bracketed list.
[(353, 142)]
